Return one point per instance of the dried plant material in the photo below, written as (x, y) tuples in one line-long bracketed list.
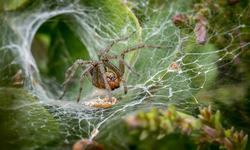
[(86, 144), (200, 30), (180, 20), (175, 66), (18, 77), (198, 7), (94, 132), (234, 1), (201, 34), (100, 102), (34, 82), (200, 19)]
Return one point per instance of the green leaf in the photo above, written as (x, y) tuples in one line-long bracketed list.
[(217, 123), (25, 124), (154, 64), (160, 136), (144, 134), (244, 141), (11, 4)]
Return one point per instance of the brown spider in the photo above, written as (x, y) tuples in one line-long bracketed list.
[(97, 72)]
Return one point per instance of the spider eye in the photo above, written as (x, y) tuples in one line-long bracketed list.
[(111, 76)]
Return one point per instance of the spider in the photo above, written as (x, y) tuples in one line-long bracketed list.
[(103, 74)]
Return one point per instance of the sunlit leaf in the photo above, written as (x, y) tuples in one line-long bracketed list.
[(11, 4)]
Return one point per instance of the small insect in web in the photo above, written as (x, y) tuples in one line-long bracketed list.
[(102, 73)]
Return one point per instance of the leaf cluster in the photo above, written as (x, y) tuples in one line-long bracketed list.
[(204, 130)]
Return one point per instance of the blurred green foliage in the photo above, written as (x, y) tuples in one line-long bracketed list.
[(12, 4), (205, 130), (25, 123)]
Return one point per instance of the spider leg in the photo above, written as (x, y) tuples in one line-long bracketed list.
[(105, 81), (113, 68), (114, 41), (124, 85), (82, 77), (121, 60), (121, 64), (100, 53), (72, 69)]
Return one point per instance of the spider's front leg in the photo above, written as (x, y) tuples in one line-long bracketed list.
[(93, 64), (115, 41), (72, 69), (121, 63), (121, 60), (101, 67)]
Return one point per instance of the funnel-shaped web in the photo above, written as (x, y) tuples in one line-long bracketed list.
[(77, 30)]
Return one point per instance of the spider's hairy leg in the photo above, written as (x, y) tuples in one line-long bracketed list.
[(124, 85), (72, 69), (113, 68), (120, 60), (100, 65), (114, 41), (121, 65), (82, 77), (101, 50)]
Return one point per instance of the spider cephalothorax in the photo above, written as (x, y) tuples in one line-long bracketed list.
[(103, 74), (113, 80)]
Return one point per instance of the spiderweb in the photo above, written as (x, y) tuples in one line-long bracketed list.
[(77, 30)]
